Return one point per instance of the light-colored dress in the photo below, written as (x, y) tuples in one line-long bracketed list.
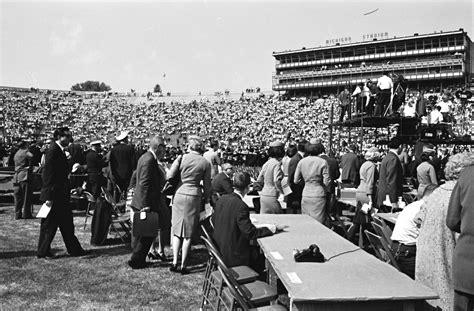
[(271, 176), (426, 175), (435, 247), (315, 173), (188, 199)]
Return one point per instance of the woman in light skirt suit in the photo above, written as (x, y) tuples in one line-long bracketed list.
[(270, 176), (315, 173), (188, 199)]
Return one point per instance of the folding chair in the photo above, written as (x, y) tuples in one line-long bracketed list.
[(120, 220), (383, 230), (85, 195), (259, 293), (382, 251), (240, 297), (212, 277)]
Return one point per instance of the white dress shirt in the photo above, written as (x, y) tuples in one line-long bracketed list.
[(385, 83), (406, 230)]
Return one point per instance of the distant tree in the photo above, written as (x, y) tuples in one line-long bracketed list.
[(91, 86), (157, 89)]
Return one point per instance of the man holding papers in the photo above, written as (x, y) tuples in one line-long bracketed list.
[(55, 194)]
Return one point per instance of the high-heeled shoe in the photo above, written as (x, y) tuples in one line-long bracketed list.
[(184, 271), (174, 268)]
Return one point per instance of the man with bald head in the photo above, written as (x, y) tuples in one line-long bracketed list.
[(222, 183), (147, 197)]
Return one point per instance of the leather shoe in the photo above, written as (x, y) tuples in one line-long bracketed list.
[(135, 265), (184, 271), (47, 256), (82, 253), (174, 268)]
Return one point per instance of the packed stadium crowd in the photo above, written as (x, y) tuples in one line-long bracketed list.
[(243, 124)]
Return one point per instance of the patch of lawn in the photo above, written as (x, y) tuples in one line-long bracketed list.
[(102, 280)]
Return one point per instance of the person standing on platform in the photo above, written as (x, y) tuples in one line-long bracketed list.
[(293, 200), (345, 104), (55, 194), (350, 168), (212, 157), (122, 163), (460, 219), (314, 171), (385, 86), (95, 163), (22, 187), (271, 176), (391, 176), (446, 107)]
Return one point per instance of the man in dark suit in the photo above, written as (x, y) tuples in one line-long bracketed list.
[(148, 198), (55, 193), (334, 174), (233, 229), (293, 200), (122, 163), (222, 183), (350, 176), (391, 176), (95, 163)]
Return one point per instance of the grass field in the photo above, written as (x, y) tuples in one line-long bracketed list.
[(101, 280)]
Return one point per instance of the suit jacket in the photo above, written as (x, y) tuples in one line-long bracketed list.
[(94, 162), (233, 230), (314, 171), (459, 219), (350, 168), (390, 179), (122, 161), (334, 172), (296, 188), (222, 184), (149, 182), (55, 175), (193, 169), (23, 167)]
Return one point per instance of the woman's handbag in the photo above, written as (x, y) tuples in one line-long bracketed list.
[(145, 224), (171, 184)]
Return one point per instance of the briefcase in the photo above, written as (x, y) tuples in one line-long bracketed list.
[(147, 227)]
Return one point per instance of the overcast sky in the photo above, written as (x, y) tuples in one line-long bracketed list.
[(189, 47)]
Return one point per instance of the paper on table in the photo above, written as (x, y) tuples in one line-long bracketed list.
[(277, 255), (294, 278), (44, 211), (271, 227)]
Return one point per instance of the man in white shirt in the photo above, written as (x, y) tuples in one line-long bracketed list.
[(406, 233), (446, 107), (435, 116), (385, 86)]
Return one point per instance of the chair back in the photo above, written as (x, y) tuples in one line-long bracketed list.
[(381, 245), (227, 276), (384, 232), (242, 300)]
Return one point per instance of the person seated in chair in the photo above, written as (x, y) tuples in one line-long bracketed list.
[(233, 229), (406, 232)]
